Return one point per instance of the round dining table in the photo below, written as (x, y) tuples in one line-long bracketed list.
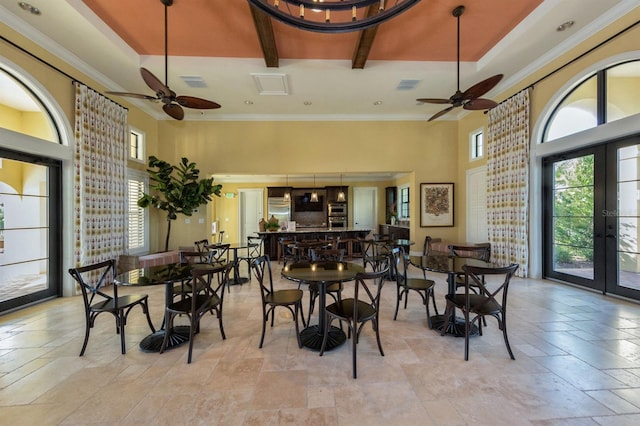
[(450, 265), (322, 274), (166, 275)]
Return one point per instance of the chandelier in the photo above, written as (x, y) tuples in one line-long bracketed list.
[(333, 16)]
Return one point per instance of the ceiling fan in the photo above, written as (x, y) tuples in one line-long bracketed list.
[(172, 104), (470, 98)]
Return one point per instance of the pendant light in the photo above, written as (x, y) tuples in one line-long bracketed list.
[(341, 198), (314, 193), (287, 195)]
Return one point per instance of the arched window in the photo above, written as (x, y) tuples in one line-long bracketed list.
[(608, 95), (22, 111)]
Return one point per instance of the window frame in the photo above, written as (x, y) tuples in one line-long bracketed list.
[(141, 177), (404, 207), (473, 146), (142, 145)]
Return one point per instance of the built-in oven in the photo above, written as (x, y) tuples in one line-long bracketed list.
[(337, 209), (337, 222)]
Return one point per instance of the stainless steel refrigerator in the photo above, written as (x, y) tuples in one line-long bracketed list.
[(280, 208)]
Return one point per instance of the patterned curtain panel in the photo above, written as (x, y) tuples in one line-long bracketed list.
[(508, 182), (101, 134)]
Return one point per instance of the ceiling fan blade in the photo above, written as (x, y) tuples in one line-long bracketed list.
[(483, 87), (174, 110), (133, 95), (198, 103), (441, 113), (480, 104), (152, 81), (434, 100)]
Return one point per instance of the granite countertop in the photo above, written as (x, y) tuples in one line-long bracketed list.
[(313, 230)]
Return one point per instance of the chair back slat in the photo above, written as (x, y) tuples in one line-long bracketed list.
[(480, 251), (92, 278)]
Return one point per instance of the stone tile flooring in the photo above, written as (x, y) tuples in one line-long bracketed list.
[(577, 363)]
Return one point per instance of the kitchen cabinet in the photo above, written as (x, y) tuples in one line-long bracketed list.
[(395, 232), (391, 199), (332, 194), (278, 191)]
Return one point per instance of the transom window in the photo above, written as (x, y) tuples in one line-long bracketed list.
[(476, 144), (607, 95), (137, 145), (403, 202)]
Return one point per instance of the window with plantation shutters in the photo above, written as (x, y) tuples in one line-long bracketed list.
[(137, 238)]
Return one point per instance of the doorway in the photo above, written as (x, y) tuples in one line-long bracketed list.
[(251, 209), (365, 213), (592, 218), (30, 238)]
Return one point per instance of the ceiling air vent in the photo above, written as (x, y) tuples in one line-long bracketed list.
[(193, 81), (271, 84), (407, 84)]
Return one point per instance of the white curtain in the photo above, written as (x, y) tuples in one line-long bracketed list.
[(508, 182), (101, 134)]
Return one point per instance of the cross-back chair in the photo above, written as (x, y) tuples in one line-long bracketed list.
[(363, 307), (93, 280), (490, 300)]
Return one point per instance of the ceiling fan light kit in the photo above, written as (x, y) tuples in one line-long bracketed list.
[(333, 16), (469, 99), (171, 103)]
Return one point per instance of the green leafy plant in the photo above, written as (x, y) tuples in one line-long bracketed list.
[(178, 190)]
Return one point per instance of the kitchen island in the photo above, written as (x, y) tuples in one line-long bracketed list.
[(347, 235)]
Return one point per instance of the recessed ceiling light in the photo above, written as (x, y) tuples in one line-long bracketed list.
[(376, 103), (29, 8), (565, 26), (248, 102), (308, 103)]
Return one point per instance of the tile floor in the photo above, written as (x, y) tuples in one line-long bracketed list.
[(577, 363)]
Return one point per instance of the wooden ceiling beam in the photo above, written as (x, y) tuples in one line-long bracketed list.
[(365, 42), (266, 36)]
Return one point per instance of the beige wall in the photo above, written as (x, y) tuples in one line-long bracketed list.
[(427, 151)]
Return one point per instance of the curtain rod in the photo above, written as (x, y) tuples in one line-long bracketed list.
[(69, 76), (597, 46)]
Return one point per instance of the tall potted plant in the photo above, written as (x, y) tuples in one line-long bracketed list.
[(178, 189)]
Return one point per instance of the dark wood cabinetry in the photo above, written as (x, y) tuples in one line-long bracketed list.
[(333, 191), (278, 191), (391, 198), (395, 232)]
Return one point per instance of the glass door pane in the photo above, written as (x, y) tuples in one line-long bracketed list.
[(25, 233), (572, 198), (623, 262)]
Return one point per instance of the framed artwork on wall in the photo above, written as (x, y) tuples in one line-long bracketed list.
[(436, 204)]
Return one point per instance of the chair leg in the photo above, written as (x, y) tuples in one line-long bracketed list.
[(265, 318), (86, 336), (220, 322), (297, 309), (466, 334), (121, 320), (398, 297), (375, 323), (506, 339), (327, 325), (145, 308), (426, 303)]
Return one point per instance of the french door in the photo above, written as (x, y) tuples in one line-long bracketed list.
[(592, 217), (30, 238)]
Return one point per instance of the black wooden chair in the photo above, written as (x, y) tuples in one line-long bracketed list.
[(92, 280), (405, 284), (335, 289), (475, 251), (203, 298), (255, 248), (290, 299), (372, 253), (491, 300), (357, 311)]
